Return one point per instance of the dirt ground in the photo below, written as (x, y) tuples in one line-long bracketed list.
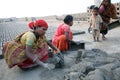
[(110, 45)]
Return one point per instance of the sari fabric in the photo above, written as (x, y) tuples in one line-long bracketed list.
[(59, 38), (14, 52), (107, 12)]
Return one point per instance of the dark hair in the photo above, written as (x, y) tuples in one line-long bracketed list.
[(96, 8), (92, 6), (109, 1), (68, 19)]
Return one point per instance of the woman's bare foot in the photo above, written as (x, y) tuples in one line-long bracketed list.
[(103, 37)]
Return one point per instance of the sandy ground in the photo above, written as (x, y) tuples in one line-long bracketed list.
[(111, 45)]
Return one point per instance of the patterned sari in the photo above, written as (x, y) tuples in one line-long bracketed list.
[(14, 52), (107, 12)]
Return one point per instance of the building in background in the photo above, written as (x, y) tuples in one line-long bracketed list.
[(53, 18), (117, 5)]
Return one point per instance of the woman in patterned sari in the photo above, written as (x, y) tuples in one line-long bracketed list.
[(107, 10), (63, 34), (30, 48)]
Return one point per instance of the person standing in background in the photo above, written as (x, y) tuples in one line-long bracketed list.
[(95, 21), (107, 11)]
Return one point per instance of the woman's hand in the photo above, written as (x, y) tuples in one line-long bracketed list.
[(58, 51), (53, 47), (48, 66)]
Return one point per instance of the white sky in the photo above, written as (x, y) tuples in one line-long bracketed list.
[(37, 8)]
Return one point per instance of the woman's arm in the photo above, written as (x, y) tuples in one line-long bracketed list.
[(31, 55), (90, 21), (35, 58), (53, 47), (68, 38)]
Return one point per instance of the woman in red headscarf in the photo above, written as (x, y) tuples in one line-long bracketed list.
[(30, 48)]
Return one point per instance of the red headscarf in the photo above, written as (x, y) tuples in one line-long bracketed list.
[(31, 25), (41, 23)]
